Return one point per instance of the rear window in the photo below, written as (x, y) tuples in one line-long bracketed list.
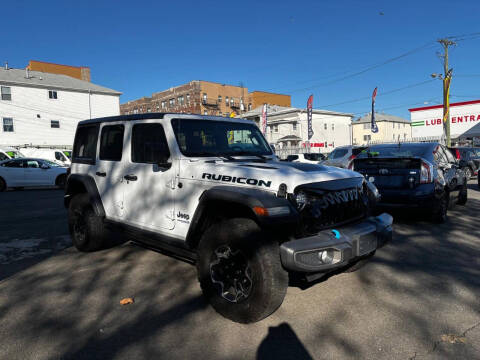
[(356, 151), (292, 157), (338, 153), (395, 151), (312, 157), (85, 147)]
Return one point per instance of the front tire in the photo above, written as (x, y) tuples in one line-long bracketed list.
[(468, 173), (61, 181), (86, 229), (463, 196), (439, 215), (240, 272)]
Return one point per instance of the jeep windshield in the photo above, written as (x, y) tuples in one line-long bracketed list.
[(205, 138)]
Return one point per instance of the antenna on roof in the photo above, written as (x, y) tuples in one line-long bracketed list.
[(27, 73), (6, 65)]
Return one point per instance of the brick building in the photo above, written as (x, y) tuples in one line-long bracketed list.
[(77, 72), (204, 97)]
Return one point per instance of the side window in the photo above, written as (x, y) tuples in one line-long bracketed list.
[(13, 164), (3, 156), (111, 143), (85, 146), (58, 155), (149, 144), (339, 153)]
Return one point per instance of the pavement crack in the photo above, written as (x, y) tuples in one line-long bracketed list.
[(442, 339)]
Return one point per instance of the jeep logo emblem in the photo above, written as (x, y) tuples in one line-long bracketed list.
[(183, 216)]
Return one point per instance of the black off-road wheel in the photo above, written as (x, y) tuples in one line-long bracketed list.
[(468, 173), (439, 215), (3, 185), (240, 272), (61, 181), (357, 265), (463, 196), (86, 229)]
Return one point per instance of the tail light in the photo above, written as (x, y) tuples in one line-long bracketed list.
[(350, 162), (457, 154), (426, 173)]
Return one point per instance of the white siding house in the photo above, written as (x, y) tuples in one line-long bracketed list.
[(41, 109), (288, 128)]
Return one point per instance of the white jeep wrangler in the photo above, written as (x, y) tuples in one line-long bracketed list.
[(210, 190)]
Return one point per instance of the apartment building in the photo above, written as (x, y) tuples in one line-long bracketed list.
[(390, 128), (205, 98)]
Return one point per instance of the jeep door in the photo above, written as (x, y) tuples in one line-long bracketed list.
[(109, 169), (149, 178)]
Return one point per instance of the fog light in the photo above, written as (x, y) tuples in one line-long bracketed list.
[(326, 256)]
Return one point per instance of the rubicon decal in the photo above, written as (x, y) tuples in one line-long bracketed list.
[(238, 180)]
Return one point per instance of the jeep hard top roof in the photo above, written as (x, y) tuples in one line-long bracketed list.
[(160, 116)]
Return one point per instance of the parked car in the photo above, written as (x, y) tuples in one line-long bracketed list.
[(25, 172), (7, 152), (415, 175), (56, 155), (342, 156), (175, 182), (309, 158), (471, 156)]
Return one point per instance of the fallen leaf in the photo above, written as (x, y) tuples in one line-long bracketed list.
[(126, 301), (453, 339)]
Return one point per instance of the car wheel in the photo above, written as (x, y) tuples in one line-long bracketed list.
[(357, 265), (240, 272), (3, 185), (86, 228), (439, 215), (463, 196), (468, 173), (61, 181)]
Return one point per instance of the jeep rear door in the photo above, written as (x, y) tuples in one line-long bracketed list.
[(149, 179)]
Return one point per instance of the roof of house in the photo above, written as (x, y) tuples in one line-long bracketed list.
[(281, 110), (52, 81), (380, 117)]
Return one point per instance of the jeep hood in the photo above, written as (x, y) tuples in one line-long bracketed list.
[(261, 175)]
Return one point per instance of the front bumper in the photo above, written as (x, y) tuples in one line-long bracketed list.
[(339, 246)]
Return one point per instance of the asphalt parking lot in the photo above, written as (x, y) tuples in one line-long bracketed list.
[(418, 298)]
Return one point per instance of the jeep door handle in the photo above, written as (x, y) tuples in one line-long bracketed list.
[(130, 177), (100, 173)]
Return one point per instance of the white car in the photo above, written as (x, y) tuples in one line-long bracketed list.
[(7, 152), (23, 172), (56, 155), (310, 158)]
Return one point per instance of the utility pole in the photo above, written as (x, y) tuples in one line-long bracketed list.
[(447, 77)]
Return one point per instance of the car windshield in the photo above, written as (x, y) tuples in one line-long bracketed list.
[(219, 138), (394, 151), (15, 154)]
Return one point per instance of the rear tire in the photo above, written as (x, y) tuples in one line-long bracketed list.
[(3, 185), (61, 181), (468, 173), (463, 196), (439, 215), (86, 228), (240, 272)]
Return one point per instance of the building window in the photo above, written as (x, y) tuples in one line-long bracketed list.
[(205, 112), (226, 100), (294, 126), (275, 128), (163, 104), (367, 137), (325, 126), (181, 100), (135, 111), (231, 102), (249, 107), (366, 126), (7, 124), (52, 94), (55, 124), (204, 98), (188, 98), (333, 126), (149, 110), (219, 99), (6, 93), (158, 107), (171, 102)]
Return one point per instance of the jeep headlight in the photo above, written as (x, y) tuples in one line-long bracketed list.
[(301, 199)]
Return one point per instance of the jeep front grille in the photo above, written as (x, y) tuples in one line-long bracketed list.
[(327, 209)]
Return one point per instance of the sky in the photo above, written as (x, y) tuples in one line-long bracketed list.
[(291, 47)]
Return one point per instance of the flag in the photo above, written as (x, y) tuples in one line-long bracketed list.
[(374, 124), (264, 119), (309, 116)]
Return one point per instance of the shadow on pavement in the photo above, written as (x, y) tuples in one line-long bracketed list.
[(281, 343)]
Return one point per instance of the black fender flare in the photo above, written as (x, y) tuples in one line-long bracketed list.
[(75, 182), (245, 198)]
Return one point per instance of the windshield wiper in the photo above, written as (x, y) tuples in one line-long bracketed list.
[(246, 153), (206, 153)]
